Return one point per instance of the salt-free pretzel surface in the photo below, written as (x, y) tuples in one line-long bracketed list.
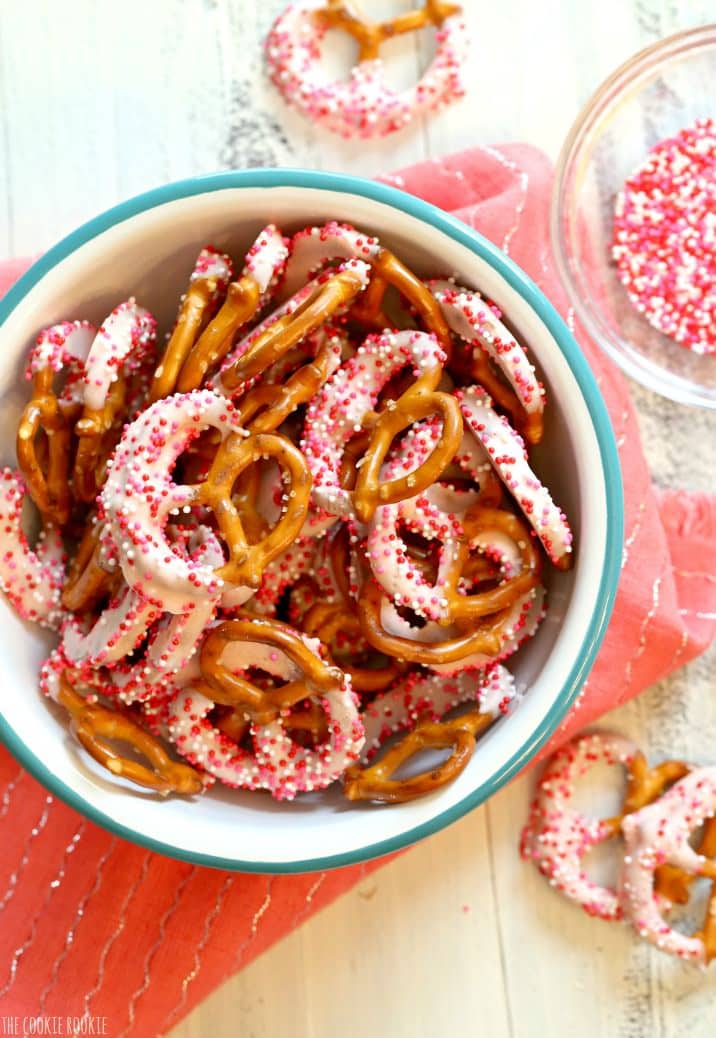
[(336, 623), (263, 705), (486, 638), (376, 781), (207, 283), (236, 454), (98, 729), (244, 298), (328, 294), (370, 35), (264, 408)]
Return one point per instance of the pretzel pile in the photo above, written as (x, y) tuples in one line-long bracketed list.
[(307, 526), (662, 809)]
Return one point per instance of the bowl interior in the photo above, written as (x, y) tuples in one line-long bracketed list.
[(651, 99), (148, 255)]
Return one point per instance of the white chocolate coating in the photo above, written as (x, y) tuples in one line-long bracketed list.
[(125, 338), (32, 578), (336, 413), (366, 105), (557, 836), (140, 495), (507, 453), (659, 834)]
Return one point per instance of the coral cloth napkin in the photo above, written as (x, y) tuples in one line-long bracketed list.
[(92, 925)]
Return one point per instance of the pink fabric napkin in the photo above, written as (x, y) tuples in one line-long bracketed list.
[(92, 925)]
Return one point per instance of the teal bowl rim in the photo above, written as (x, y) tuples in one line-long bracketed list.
[(584, 656)]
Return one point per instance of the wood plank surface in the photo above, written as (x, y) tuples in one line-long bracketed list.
[(458, 937)]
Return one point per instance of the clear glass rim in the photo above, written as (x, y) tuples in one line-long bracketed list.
[(637, 68)]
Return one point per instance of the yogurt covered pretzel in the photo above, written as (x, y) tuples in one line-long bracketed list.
[(479, 324), (352, 393), (507, 453), (656, 835), (312, 306), (60, 349), (492, 692), (122, 346), (365, 106), (440, 515), (275, 761), (557, 836), (176, 637), (140, 496), (31, 578), (314, 247)]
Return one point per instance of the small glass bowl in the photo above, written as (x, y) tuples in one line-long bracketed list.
[(655, 94)]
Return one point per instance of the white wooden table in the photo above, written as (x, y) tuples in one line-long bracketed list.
[(100, 100)]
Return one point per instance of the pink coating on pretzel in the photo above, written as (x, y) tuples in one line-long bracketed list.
[(506, 451), (266, 259), (301, 296), (313, 247), (276, 762), (32, 578), (63, 346), (176, 637), (659, 834), (478, 323), (140, 496), (366, 105), (419, 695), (557, 836), (336, 413), (665, 237), (125, 340)]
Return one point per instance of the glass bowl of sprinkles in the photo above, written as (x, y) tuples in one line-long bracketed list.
[(633, 218)]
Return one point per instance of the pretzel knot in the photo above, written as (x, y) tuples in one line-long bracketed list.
[(418, 402), (236, 454), (264, 408), (315, 305), (317, 678), (558, 836), (97, 728), (487, 637), (375, 782), (469, 606), (370, 35), (339, 628)]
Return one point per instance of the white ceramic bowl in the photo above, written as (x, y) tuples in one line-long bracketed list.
[(145, 248)]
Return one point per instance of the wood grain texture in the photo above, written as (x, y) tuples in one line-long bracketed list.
[(99, 101)]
